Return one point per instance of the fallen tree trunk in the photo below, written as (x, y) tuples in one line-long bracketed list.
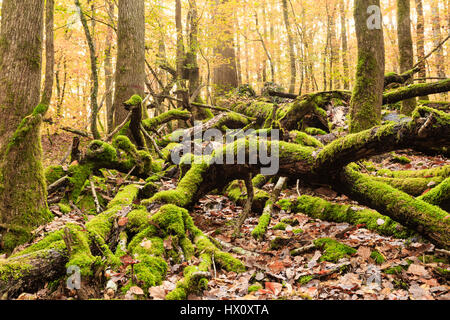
[(325, 166), (416, 90), (439, 195), (321, 209), (428, 220)]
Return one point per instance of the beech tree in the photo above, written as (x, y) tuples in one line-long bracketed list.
[(405, 47), (23, 192), (130, 64), (365, 109)]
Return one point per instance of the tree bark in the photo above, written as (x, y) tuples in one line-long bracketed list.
[(22, 185), (290, 45), (365, 106), (109, 72), (421, 43), (345, 68), (94, 71), (130, 66), (405, 48), (49, 53), (225, 74)]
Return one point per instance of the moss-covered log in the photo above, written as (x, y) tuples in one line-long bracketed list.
[(428, 127), (321, 209), (416, 90), (412, 186), (439, 195), (152, 124), (428, 220)]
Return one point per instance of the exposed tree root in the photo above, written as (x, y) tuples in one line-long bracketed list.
[(260, 230)]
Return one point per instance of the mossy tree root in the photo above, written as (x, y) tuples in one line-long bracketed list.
[(263, 223), (46, 260)]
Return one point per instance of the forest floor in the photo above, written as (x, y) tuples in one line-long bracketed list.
[(409, 269)]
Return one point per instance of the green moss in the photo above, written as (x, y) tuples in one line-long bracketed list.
[(259, 180), (125, 196), (305, 279), (400, 204), (297, 231), (393, 270), (280, 226), (321, 209), (333, 250), (285, 205), (315, 131), (150, 271), (443, 171), (277, 243), (169, 218), (304, 139), (261, 229), (81, 255), (137, 220), (401, 159), (148, 190), (53, 173), (64, 208), (134, 100), (187, 187), (440, 195), (411, 186), (378, 257), (78, 175), (152, 124), (254, 287), (101, 153)]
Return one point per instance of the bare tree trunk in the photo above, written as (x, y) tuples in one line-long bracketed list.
[(238, 50), (23, 191), (365, 106), (421, 43), (109, 71), (437, 38), (291, 46), (225, 74), (345, 69), (130, 66), (405, 48), (334, 55), (49, 53), (94, 71)]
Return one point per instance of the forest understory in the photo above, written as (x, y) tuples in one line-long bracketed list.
[(312, 241), (166, 168)]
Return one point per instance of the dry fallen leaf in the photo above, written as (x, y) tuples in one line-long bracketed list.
[(274, 287), (157, 293), (364, 252), (418, 270), (122, 221), (276, 266), (136, 290)]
